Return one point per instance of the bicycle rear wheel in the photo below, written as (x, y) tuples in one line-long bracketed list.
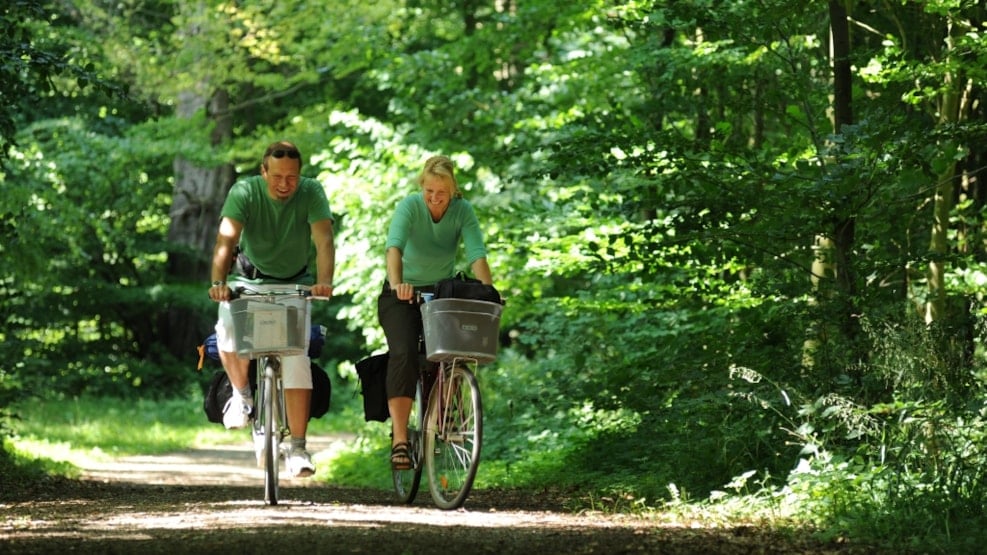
[(406, 482), (453, 434)]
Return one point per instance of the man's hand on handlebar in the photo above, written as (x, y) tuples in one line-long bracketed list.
[(220, 292), (323, 290)]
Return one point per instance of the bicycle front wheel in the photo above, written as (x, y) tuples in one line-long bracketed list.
[(269, 411), (453, 434), (406, 482)]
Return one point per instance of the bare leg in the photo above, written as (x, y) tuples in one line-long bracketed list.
[(400, 408), (236, 368), (236, 413), (298, 403)]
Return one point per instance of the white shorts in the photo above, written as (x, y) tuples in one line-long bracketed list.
[(296, 371)]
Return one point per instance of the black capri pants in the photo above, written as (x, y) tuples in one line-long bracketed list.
[(402, 324)]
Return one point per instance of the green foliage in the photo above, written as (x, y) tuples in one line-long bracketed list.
[(92, 260), (905, 470), (38, 63), (652, 178)]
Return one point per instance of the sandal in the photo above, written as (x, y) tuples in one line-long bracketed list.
[(401, 456)]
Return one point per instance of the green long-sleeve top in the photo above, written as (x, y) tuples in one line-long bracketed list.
[(428, 249)]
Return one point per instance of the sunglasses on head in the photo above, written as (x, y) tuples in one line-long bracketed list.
[(281, 153)]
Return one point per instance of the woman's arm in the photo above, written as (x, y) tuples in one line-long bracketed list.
[(481, 270), (395, 275)]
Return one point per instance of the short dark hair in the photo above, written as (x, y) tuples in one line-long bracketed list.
[(281, 149)]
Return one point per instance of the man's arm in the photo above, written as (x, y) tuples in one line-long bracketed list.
[(325, 258), (222, 257)]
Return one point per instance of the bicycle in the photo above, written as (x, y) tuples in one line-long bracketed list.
[(270, 323), (445, 438)]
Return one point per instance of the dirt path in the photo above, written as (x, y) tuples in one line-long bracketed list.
[(222, 465), (211, 501)]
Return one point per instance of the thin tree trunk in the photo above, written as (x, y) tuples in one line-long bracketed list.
[(832, 260), (951, 110)]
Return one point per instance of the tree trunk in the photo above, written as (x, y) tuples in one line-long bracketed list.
[(935, 306), (832, 260), (196, 203), (951, 110), (198, 198)]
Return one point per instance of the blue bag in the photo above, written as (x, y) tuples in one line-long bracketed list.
[(317, 340)]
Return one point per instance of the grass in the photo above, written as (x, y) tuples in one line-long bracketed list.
[(64, 434), (107, 427), (59, 436), (111, 426)]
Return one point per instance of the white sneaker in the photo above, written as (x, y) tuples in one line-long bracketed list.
[(299, 463), (236, 413)]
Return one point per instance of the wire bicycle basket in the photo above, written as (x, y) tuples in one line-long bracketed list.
[(461, 328), (264, 324)]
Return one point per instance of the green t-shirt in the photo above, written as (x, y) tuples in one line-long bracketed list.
[(277, 235), (428, 249)]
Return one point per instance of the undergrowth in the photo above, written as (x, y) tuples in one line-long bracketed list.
[(903, 472)]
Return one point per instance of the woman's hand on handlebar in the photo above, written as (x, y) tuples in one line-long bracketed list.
[(404, 291)]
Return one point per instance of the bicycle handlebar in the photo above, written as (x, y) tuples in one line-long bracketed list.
[(300, 290), (417, 295)]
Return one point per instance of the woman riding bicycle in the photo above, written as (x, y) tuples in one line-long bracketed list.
[(268, 224), (421, 246)]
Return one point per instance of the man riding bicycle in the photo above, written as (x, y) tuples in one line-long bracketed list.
[(268, 224)]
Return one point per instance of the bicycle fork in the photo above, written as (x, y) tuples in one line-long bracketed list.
[(450, 416), (269, 379)]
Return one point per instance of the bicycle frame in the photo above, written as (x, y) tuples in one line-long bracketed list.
[(449, 432), (270, 426)]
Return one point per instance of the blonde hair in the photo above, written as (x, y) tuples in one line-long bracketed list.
[(440, 165)]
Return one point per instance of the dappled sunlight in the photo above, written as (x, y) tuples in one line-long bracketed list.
[(235, 514), (171, 523)]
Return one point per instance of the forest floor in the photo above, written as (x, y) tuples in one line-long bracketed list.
[(211, 501)]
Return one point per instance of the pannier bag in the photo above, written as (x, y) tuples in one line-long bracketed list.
[(373, 385), (220, 391), (462, 287)]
